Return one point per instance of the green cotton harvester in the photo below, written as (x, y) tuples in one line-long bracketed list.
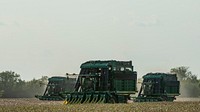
[(56, 85), (158, 87), (103, 82)]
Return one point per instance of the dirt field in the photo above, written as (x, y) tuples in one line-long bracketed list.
[(35, 105), (178, 99)]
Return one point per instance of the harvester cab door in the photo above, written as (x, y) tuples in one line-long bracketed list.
[(148, 88), (88, 84), (49, 89)]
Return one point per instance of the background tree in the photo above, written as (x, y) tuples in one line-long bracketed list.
[(11, 86), (8, 82), (36, 87), (189, 84)]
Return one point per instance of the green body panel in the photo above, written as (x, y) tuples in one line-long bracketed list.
[(125, 85), (59, 79), (150, 76), (95, 65)]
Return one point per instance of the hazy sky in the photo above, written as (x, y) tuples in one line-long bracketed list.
[(52, 37)]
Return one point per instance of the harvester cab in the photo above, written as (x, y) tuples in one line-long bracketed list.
[(88, 84), (104, 82), (148, 88), (158, 87), (57, 85)]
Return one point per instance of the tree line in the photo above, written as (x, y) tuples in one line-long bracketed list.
[(12, 86)]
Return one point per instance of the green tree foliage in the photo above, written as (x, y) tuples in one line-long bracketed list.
[(11, 86), (8, 82), (188, 81)]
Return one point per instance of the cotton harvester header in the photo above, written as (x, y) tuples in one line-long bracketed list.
[(104, 82)]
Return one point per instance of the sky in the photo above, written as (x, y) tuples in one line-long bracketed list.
[(53, 37)]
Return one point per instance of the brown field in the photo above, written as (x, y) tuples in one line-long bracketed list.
[(35, 105)]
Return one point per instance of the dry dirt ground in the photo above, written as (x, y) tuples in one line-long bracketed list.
[(35, 105)]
